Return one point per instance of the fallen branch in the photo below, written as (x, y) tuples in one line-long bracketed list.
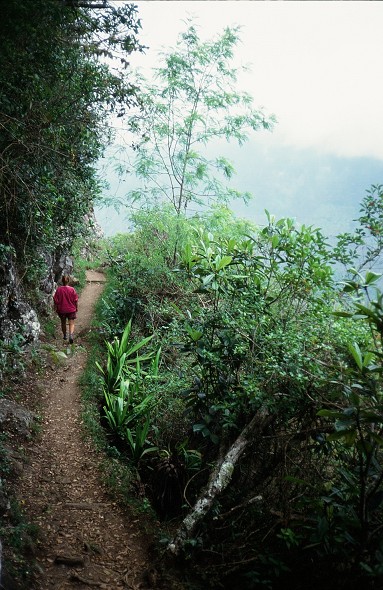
[(218, 481)]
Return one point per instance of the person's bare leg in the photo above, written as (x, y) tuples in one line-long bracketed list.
[(71, 329), (63, 326)]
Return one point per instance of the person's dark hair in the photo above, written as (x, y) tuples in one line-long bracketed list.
[(65, 279)]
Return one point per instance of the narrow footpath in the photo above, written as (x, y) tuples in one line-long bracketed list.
[(85, 539)]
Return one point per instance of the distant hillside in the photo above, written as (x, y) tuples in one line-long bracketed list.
[(316, 189)]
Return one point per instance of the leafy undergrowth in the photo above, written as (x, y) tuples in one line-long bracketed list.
[(242, 331)]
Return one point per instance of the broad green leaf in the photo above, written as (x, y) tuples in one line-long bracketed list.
[(342, 314), (371, 277), (357, 355), (365, 311), (348, 436), (206, 280), (125, 337), (225, 261), (195, 335)]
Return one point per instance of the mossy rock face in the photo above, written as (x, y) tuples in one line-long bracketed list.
[(19, 313), (15, 418), (62, 265), (15, 312)]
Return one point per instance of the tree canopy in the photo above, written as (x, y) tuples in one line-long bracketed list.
[(55, 94), (192, 102)]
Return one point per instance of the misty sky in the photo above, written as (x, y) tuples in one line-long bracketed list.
[(318, 67)]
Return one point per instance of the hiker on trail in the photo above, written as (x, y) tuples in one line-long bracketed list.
[(66, 305)]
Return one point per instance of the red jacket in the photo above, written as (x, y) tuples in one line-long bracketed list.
[(65, 299)]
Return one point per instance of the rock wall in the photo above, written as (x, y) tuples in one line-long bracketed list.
[(56, 266), (16, 315), (95, 234)]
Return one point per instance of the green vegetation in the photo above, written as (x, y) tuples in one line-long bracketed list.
[(193, 102), (127, 403), (266, 402), (21, 539), (364, 246), (232, 381), (56, 94)]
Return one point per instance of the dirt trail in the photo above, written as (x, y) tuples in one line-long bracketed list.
[(86, 539)]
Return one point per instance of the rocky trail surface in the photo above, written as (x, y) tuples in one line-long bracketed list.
[(86, 540)]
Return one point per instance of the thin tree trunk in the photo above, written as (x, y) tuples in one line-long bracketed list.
[(218, 482)]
